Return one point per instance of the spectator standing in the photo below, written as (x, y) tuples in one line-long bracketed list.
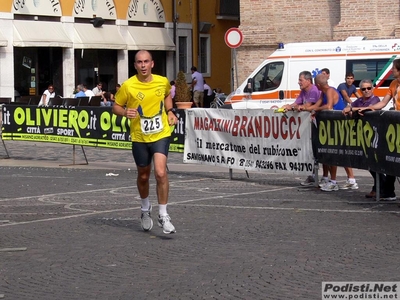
[(148, 101), (330, 99), (309, 95), (208, 95), (47, 94), (367, 99), (347, 88), (208, 88), (197, 87), (173, 89), (327, 73), (351, 182), (393, 93)]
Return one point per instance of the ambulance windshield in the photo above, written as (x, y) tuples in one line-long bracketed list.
[(269, 77)]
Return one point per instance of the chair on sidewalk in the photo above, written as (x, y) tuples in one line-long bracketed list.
[(5, 100), (23, 100), (95, 101), (83, 101), (56, 101), (71, 102), (34, 100)]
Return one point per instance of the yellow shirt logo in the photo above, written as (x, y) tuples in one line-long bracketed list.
[(140, 96)]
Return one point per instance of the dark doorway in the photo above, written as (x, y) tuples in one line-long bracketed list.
[(95, 65), (35, 68)]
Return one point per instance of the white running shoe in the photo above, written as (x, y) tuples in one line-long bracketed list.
[(348, 185), (145, 220), (323, 182), (389, 197), (165, 223), (330, 187)]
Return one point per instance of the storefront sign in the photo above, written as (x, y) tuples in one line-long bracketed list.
[(98, 8), (146, 11), (37, 7)]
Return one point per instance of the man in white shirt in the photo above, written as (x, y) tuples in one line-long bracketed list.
[(88, 93), (208, 88), (98, 90), (197, 87)]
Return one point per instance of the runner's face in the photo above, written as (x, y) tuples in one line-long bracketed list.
[(143, 64)]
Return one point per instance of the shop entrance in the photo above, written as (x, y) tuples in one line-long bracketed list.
[(96, 65), (35, 68)]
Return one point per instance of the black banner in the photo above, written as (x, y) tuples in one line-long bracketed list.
[(86, 126), (370, 142)]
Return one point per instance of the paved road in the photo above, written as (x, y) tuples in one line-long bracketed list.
[(71, 232)]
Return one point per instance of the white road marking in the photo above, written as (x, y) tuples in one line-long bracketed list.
[(211, 197)]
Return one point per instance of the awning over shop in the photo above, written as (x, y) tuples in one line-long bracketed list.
[(40, 34), (3, 41), (150, 38), (105, 37)]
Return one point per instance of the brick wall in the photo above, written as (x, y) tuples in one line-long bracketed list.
[(266, 23)]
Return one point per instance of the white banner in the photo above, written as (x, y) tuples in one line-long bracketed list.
[(257, 140)]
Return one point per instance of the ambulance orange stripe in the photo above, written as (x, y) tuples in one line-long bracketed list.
[(333, 55), (292, 95)]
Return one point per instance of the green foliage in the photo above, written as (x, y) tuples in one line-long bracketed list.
[(182, 89)]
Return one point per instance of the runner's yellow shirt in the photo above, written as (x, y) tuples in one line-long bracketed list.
[(151, 124)]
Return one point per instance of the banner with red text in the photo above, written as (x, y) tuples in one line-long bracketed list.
[(258, 140)]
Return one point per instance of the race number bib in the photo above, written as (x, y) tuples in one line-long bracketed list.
[(151, 125)]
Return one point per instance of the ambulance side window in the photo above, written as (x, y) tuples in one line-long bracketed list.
[(369, 69), (269, 77)]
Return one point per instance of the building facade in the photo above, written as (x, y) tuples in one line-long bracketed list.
[(67, 42), (265, 24)]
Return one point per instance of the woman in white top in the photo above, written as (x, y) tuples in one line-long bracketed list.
[(47, 94)]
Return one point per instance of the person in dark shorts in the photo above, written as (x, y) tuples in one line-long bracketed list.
[(146, 101)]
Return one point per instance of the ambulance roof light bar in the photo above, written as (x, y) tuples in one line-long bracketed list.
[(356, 38)]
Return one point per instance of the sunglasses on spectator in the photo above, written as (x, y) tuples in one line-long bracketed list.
[(366, 88)]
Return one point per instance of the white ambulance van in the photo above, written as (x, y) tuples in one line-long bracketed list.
[(275, 81)]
